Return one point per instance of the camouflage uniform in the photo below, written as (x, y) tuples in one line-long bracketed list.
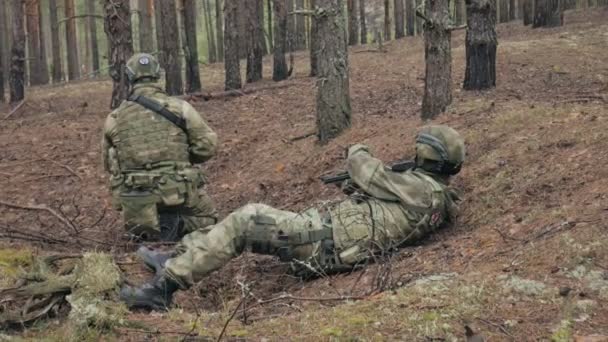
[(150, 160), (389, 209)]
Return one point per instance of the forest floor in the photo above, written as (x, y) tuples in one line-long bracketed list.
[(534, 216)]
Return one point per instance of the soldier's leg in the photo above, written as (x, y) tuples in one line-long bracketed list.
[(140, 214), (200, 214), (254, 225)]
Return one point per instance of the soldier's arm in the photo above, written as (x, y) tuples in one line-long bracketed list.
[(201, 138), (370, 174)]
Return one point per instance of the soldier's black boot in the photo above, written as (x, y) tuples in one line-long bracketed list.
[(155, 261), (155, 295)]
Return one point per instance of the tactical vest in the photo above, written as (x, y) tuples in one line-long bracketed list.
[(144, 138)]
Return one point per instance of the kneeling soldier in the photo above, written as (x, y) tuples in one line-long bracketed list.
[(389, 209)]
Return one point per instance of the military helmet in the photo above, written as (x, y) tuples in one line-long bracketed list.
[(142, 65), (440, 149)]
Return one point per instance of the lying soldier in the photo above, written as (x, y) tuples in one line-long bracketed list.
[(388, 210)]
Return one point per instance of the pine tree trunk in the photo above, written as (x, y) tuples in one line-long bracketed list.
[(411, 17), (399, 19), (528, 11), (504, 10), (117, 25), (146, 41), (42, 62), (160, 39), (362, 22), (211, 48), (333, 96), (93, 36), (255, 52), (33, 41), (353, 25), (460, 9), (17, 74), (219, 29), (481, 45), (300, 27), (193, 77), (548, 13), (279, 64), (387, 20), (3, 30), (171, 59), (419, 22), (71, 41), (512, 10), (56, 69), (262, 35), (270, 24), (438, 58), (314, 42), (231, 45)]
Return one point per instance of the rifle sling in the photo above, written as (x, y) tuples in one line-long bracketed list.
[(159, 109)]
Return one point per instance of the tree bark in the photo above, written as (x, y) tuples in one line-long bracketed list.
[(503, 10), (43, 63), (279, 64), (528, 11), (33, 41), (362, 22), (3, 30), (231, 45), (193, 77), (300, 37), (17, 74), (387, 20), (270, 24), (548, 13), (170, 47), (399, 19), (333, 97), (438, 58), (211, 48), (353, 25), (512, 13), (71, 41), (410, 13), (419, 21), (117, 25), (160, 39), (56, 69), (460, 12), (219, 29), (146, 41), (254, 12), (93, 37), (314, 42), (481, 42)]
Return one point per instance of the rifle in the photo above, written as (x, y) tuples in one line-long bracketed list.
[(401, 165)]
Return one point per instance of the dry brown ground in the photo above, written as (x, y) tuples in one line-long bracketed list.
[(535, 187)]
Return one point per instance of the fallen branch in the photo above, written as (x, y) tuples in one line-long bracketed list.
[(14, 110), (234, 92), (300, 137), (42, 207), (69, 169), (500, 327), (305, 299)]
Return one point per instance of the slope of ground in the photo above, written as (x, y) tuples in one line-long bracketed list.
[(533, 221)]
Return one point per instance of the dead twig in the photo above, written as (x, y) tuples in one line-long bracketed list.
[(219, 338), (17, 107), (499, 326), (301, 137), (69, 169), (42, 207)]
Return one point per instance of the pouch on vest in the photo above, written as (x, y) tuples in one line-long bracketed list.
[(140, 213), (172, 190), (116, 182), (193, 180)]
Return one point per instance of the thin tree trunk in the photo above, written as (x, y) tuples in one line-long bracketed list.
[(481, 45), (212, 49), (528, 11), (333, 96), (548, 13), (42, 62), (3, 30), (255, 52), (503, 10), (160, 39), (387, 20), (353, 24), (399, 19), (146, 41), (17, 75), (279, 65), (33, 41), (71, 41), (419, 22), (438, 58), (93, 36), (362, 22), (314, 42), (170, 33), (300, 31), (193, 78), (56, 69), (460, 12), (219, 29), (512, 12), (117, 25), (231, 45), (410, 17), (270, 24)]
